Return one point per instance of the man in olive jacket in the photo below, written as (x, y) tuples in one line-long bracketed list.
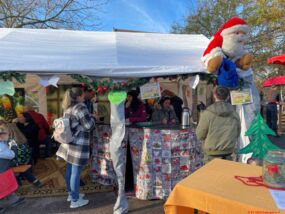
[(219, 127)]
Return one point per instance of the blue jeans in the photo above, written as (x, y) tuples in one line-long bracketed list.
[(72, 179), (28, 174)]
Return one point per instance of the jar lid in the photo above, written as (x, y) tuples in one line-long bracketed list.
[(276, 152)]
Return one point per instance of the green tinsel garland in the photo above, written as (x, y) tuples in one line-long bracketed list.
[(105, 86), (9, 76)]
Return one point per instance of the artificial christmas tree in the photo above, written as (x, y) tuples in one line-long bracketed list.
[(259, 144)]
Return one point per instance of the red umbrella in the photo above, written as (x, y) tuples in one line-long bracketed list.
[(277, 60), (278, 80)]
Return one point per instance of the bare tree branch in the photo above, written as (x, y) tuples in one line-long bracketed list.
[(71, 14)]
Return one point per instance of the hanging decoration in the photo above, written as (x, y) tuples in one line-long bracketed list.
[(105, 86), (259, 144), (9, 76), (7, 87), (47, 80), (116, 97)]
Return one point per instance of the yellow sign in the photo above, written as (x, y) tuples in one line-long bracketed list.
[(150, 90), (241, 97)]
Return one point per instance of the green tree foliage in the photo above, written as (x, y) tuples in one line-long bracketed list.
[(70, 14), (259, 144), (265, 17)]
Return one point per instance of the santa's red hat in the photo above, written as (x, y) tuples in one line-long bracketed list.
[(215, 46), (233, 25)]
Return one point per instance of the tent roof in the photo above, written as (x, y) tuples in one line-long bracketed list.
[(104, 54)]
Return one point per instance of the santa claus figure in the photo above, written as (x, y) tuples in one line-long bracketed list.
[(228, 43)]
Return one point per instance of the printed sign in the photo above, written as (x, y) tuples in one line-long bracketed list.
[(241, 97), (150, 90)]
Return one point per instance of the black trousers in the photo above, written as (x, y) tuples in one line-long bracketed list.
[(271, 116)]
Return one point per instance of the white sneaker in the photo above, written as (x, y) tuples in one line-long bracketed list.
[(79, 203), (81, 195)]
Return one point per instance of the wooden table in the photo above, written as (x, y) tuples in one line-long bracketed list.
[(213, 189)]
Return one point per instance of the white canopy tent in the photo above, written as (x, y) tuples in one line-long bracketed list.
[(103, 54)]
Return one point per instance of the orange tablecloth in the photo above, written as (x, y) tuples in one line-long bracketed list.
[(214, 189)]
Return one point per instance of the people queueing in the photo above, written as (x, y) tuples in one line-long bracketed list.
[(134, 108), (44, 136), (165, 113), (77, 153), (219, 127)]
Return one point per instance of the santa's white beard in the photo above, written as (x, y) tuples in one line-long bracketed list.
[(233, 45)]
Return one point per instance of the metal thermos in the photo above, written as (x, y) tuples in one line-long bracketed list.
[(186, 117)]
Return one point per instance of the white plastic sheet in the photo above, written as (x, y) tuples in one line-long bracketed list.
[(105, 54)]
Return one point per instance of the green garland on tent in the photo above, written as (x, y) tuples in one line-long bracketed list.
[(105, 86), (9, 76)]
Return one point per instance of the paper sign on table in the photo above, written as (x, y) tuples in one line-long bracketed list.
[(279, 198)]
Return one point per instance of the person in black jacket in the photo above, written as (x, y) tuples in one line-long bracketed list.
[(29, 128), (177, 103)]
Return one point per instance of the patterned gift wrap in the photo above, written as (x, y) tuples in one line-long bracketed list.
[(160, 158), (102, 170)]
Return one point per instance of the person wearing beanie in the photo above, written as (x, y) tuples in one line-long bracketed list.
[(219, 127)]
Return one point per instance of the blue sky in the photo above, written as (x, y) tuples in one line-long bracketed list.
[(144, 15)]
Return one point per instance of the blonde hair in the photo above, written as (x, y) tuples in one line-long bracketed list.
[(16, 134), (70, 97), (3, 127), (13, 131)]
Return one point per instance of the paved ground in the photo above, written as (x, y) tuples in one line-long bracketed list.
[(101, 203)]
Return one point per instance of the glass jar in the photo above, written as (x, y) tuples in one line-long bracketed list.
[(274, 169)]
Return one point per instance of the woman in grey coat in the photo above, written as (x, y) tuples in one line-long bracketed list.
[(165, 114)]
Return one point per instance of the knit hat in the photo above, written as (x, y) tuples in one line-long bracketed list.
[(215, 46)]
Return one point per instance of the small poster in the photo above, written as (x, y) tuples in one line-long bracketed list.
[(241, 97), (150, 90)]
